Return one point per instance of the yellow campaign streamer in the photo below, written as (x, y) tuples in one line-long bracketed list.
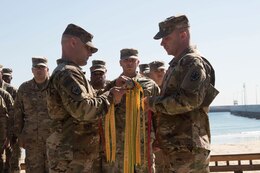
[(107, 137), (138, 127), (110, 132), (132, 146), (132, 142), (113, 132), (126, 144)]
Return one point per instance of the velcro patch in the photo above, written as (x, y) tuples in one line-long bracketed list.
[(195, 75), (75, 89)]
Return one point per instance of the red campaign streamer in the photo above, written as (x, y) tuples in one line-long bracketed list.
[(101, 133), (149, 141)]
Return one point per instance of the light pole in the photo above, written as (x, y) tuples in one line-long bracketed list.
[(256, 88), (244, 86)]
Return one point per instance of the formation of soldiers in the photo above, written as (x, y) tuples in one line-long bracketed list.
[(59, 119)]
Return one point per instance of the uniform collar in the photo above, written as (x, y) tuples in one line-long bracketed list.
[(66, 61), (175, 60)]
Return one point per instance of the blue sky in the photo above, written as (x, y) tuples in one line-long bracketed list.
[(227, 33)]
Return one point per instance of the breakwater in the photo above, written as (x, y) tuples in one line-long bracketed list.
[(250, 111)]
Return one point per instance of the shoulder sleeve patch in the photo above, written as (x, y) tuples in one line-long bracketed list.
[(75, 89), (72, 84), (195, 75)]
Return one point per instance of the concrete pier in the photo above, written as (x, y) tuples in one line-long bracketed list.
[(250, 111)]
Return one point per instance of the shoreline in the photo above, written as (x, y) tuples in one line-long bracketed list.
[(238, 148)]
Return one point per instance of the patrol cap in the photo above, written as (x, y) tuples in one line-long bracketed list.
[(82, 34), (39, 61), (156, 65), (170, 24), (129, 53), (1, 66), (98, 65), (144, 68), (7, 71)]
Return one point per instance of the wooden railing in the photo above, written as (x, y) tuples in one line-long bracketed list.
[(235, 162)]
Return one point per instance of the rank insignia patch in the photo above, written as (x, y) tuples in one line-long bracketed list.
[(76, 90)]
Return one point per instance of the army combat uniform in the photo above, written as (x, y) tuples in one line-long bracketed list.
[(6, 122), (3, 131), (32, 124), (183, 130), (9, 102), (73, 107), (150, 88), (13, 152)]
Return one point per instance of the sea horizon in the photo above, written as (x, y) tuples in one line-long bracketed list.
[(232, 129)]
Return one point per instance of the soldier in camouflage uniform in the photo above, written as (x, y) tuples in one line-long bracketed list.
[(32, 122), (129, 61), (13, 151), (6, 107), (98, 75), (157, 71), (8, 100), (183, 131), (98, 81), (74, 108), (6, 86), (7, 75)]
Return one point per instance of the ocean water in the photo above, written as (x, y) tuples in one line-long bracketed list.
[(230, 129)]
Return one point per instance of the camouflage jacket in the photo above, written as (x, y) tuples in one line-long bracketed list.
[(10, 110), (73, 107), (3, 121), (182, 120), (31, 114), (9, 88)]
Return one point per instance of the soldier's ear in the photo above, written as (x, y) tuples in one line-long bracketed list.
[(183, 34), (73, 42)]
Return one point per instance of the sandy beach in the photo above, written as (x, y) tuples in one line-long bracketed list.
[(239, 148)]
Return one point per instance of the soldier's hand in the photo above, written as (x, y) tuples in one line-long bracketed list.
[(124, 82), (118, 93), (146, 104)]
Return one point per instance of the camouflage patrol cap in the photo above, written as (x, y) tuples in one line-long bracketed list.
[(98, 65), (1, 67), (156, 65), (128, 53), (170, 24), (82, 34), (7, 71), (39, 61), (144, 68)]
